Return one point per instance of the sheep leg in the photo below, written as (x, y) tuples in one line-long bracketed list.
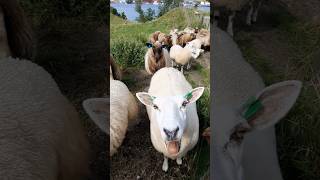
[(181, 69), (230, 23), (255, 14), (165, 164), (249, 14), (188, 66), (179, 160)]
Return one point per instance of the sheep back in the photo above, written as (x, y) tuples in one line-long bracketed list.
[(40, 130), (123, 112)]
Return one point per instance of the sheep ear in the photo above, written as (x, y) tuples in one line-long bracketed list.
[(194, 94), (272, 104), (145, 98), (98, 111), (149, 45)]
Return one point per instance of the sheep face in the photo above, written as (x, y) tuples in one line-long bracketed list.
[(233, 124), (170, 114)]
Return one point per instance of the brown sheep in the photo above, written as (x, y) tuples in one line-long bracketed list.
[(154, 37), (156, 58), (184, 38)]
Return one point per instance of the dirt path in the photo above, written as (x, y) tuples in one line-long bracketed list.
[(136, 158)]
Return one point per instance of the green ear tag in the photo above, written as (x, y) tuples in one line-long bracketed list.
[(252, 106), (188, 96)]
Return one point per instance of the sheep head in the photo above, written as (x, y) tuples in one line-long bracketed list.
[(171, 115)]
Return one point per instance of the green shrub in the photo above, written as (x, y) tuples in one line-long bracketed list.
[(128, 53)]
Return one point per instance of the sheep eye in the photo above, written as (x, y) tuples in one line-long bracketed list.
[(155, 107), (184, 104)]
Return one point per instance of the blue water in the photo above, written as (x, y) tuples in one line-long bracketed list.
[(131, 13)]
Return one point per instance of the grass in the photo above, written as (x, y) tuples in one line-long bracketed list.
[(297, 134)]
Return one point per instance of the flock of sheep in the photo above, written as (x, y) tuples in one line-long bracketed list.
[(177, 48), (236, 5), (170, 101)]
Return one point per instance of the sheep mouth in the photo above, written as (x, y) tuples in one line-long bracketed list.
[(173, 147)]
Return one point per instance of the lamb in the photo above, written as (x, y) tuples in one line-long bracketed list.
[(244, 112), (171, 107), (41, 133), (123, 110), (237, 5), (156, 58)]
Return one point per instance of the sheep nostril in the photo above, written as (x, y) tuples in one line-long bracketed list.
[(171, 135)]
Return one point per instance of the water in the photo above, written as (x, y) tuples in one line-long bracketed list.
[(130, 12)]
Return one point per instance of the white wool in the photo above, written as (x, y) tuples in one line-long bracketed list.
[(40, 129), (195, 47), (171, 82), (180, 55), (123, 113)]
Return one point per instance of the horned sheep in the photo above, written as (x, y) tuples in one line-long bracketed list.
[(171, 107)]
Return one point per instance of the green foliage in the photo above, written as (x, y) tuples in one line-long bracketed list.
[(128, 53), (115, 12), (149, 14), (139, 10), (52, 10), (168, 5)]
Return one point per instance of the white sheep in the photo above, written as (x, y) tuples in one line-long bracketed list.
[(171, 107), (181, 56), (123, 111), (204, 36), (156, 57), (195, 47), (245, 112), (41, 134)]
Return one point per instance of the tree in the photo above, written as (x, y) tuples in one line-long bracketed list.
[(150, 14), (139, 10), (123, 16), (167, 5)]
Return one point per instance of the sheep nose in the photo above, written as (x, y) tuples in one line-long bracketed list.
[(171, 135)]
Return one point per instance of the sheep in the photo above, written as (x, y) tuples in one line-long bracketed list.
[(181, 56), (165, 40), (237, 5), (171, 108), (123, 111), (154, 37), (41, 133), (184, 38), (244, 113), (195, 47), (190, 30), (204, 36), (156, 58)]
